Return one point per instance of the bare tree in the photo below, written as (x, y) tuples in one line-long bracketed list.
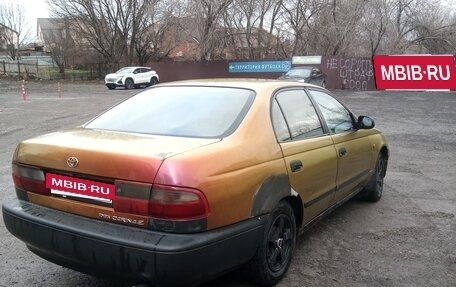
[(323, 27), (123, 31), (337, 27), (207, 14), (365, 27), (103, 24), (374, 23), (271, 13), (240, 21), (434, 29), (249, 26), (60, 43), (300, 16), (402, 25), (15, 31), (160, 30), (127, 31)]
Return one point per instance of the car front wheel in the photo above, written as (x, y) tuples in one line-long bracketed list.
[(129, 84), (274, 254), (374, 189)]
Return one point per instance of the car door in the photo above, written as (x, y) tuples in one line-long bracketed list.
[(308, 150), (145, 76), (353, 147), (142, 75), (136, 75)]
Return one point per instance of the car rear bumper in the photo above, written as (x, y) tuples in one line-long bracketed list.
[(112, 250)]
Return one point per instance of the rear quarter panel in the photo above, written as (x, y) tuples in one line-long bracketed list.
[(230, 172)]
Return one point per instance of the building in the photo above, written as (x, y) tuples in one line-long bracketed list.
[(50, 31), (59, 39)]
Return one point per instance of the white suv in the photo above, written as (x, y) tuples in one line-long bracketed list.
[(131, 77)]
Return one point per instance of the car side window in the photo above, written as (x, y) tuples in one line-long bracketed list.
[(279, 123), (298, 114), (337, 117)]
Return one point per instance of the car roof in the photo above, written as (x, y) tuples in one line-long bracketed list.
[(135, 67), (303, 67), (252, 84)]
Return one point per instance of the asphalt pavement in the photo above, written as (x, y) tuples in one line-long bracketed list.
[(406, 239)]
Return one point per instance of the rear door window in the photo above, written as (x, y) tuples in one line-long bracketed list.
[(294, 116)]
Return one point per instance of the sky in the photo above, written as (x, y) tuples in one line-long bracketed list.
[(33, 9), (39, 9)]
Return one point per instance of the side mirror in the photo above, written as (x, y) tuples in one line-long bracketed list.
[(365, 123)]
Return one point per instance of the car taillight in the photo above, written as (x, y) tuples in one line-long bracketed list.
[(29, 179), (132, 197), (160, 201), (169, 202)]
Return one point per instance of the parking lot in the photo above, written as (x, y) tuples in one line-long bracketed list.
[(406, 239)]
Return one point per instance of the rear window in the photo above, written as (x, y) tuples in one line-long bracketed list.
[(188, 111), (299, 73)]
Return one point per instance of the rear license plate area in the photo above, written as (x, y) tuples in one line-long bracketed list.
[(80, 189)]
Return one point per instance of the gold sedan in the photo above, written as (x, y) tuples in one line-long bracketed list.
[(187, 180)]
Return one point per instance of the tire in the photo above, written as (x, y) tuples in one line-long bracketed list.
[(323, 84), (374, 190), (153, 81), (111, 87), (275, 252), (129, 84)]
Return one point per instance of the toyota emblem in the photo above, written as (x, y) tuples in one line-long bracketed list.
[(72, 161)]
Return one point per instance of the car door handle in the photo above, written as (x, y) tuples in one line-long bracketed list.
[(296, 165), (342, 152)]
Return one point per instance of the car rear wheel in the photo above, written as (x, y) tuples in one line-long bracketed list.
[(374, 189), (275, 252), (153, 81), (129, 84)]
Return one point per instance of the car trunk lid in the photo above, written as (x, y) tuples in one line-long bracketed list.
[(100, 174), (104, 154)]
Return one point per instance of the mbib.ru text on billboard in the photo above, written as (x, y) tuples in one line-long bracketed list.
[(415, 72)]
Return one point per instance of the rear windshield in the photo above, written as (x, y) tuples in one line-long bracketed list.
[(299, 73), (189, 111)]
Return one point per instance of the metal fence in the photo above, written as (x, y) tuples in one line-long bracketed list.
[(343, 72), (44, 67), (352, 73)]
